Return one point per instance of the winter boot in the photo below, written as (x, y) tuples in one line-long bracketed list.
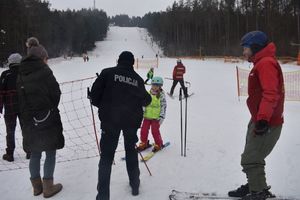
[(135, 188), (37, 186), (49, 189), (142, 146), (240, 192), (8, 157), (262, 195), (156, 148)]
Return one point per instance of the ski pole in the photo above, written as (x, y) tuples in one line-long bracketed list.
[(144, 162), (93, 118), (185, 131), (181, 127)]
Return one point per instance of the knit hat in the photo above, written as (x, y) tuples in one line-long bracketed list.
[(126, 57), (38, 51), (32, 41), (14, 58), (255, 40)]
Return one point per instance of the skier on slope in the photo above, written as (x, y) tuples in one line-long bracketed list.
[(150, 75), (120, 95), (265, 103), (178, 72), (154, 116), (9, 100)]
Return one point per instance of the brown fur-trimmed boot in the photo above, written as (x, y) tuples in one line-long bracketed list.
[(49, 189), (37, 186)]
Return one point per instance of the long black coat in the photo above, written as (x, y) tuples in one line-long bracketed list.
[(39, 96), (120, 95)]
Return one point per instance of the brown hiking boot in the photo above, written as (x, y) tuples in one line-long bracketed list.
[(49, 189), (37, 186)]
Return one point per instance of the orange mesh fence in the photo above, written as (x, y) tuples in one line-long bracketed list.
[(76, 115), (291, 84)]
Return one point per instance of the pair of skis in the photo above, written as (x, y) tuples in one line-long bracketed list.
[(150, 155), (177, 195)]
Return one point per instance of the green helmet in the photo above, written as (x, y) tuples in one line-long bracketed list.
[(157, 81)]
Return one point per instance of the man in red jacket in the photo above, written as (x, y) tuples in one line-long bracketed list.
[(178, 72), (265, 103)]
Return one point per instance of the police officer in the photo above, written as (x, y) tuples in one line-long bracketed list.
[(120, 94)]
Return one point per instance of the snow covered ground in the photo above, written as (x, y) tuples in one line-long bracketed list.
[(217, 124)]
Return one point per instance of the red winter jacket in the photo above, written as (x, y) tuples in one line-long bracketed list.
[(266, 87), (178, 72)]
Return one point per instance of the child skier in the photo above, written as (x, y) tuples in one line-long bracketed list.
[(149, 75), (153, 116)]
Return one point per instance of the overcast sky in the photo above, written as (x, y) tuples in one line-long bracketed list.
[(113, 7)]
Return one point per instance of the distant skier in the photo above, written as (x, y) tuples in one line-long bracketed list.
[(9, 100), (154, 116), (84, 56), (265, 103), (178, 72), (150, 75), (120, 95)]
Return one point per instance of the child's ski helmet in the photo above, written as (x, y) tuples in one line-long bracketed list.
[(157, 81)]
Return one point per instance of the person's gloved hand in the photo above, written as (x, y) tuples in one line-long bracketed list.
[(88, 93), (161, 120), (261, 127)]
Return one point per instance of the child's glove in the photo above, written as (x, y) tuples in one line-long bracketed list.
[(161, 120)]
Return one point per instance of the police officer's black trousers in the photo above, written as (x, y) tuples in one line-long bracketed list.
[(108, 144)]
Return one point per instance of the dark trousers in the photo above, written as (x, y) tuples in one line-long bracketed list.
[(10, 123), (175, 82), (108, 144)]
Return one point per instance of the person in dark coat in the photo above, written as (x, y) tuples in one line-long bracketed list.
[(9, 101), (39, 96), (120, 95)]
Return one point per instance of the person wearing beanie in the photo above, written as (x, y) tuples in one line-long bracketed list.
[(120, 95), (39, 96), (266, 104), (178, 72), (9, 101), (31, 42)]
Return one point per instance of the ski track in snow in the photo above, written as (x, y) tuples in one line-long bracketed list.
[(216, 133)]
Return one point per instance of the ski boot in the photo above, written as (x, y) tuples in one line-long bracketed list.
[(240, 192), (156, 148), (262, 195), (143, 146)]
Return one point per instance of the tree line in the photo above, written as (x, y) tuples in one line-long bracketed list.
[(125, 21), (215, 27), (60, 32)]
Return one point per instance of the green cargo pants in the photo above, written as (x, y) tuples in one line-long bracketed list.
[(257, 148)]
